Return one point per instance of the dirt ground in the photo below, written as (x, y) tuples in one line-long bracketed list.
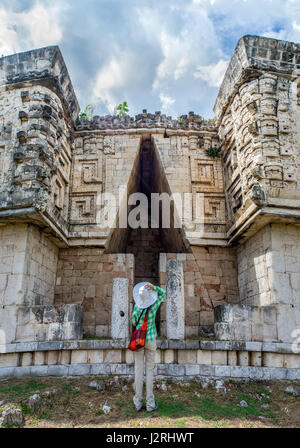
[(70, 402)]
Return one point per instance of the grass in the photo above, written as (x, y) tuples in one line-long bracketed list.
[(74, 404), (69, 388), (21, 390), (208, 408)]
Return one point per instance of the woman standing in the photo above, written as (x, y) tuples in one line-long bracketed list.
[(146, 295)]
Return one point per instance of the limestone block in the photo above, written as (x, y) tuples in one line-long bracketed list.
[(175, 300), (129, 356), (291, 361), (222, 371), (78, 369), (79, 356), (168, 356), (191, 331), (52, 357), (280, 287), (26, 332), (26, 359), (72, 330), (293, 374), (269, 315), (158, 356), (95, 356), (8, 324), (204, 357), (8, 359), (72, 312), (120, 309), (273, 360), (65, 357), (175, 369), (13, 293), (269, 332), (229, 313), (256, 359), (112, 356), (232, 358), (242, 331), (187, 356), (223, 331), (243, 358), (192, 369), (286, 322), (39, 358), (219, 357), (102, 330), (55, 331)]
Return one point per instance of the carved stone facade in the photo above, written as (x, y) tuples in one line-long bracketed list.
[(69, 259)]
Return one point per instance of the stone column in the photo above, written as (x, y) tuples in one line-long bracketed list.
[(175, 300), (120, 309)]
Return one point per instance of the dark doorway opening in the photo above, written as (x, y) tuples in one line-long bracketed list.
[(147, 243)]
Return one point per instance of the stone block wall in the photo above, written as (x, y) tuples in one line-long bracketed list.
[(101, 164), (28, 265), (188, 169), (49, 323), (42, 257), (180, 360), (269, 273), (210, 279), (85, 276), (245, 323), (253, 258)]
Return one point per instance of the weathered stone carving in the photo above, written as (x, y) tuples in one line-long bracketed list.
[(175, 300), (257, 194)]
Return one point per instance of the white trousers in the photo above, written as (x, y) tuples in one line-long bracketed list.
[(149, 353)]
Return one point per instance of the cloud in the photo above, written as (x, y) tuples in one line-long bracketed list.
[(109, 78), (212, 74), (166, 102), (37, 27), (43, 25), (114, 78), (158, 54)]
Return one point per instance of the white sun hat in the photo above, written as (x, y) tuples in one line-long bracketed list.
[(142, 297)]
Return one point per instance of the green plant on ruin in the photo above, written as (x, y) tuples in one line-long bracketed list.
[(122, 109), (213, 151), (209, 120), (87, 113)]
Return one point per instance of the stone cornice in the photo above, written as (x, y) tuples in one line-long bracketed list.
[(163, 344), (44, 66), (252, 56)]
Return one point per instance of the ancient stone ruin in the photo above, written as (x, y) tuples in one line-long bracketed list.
[(232, 270)]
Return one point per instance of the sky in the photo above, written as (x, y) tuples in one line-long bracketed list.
[(167, 55)]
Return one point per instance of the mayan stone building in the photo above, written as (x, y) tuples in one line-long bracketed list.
[(232, 271)]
